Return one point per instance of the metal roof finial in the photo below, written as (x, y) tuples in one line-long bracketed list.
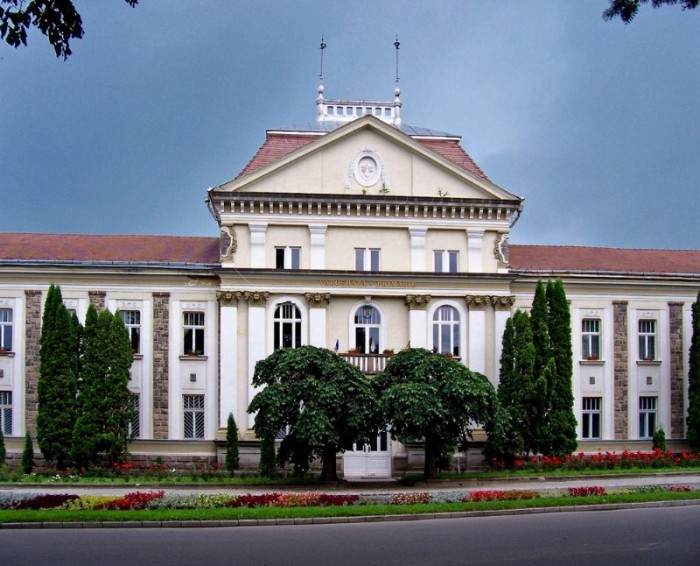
[(323, 46), (396, 44)]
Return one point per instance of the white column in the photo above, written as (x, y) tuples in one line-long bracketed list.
[(417, 247), (257, 243), (256, 340), (317, 253), (477, 334), (418, 320), (228, 356), (475, 243)]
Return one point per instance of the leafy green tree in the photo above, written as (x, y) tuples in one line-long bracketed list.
[(693, 420), (426, 396), (324, 403), (268, 463), (559, 373), (105, 406), (626, 10), (58, 20), (28, 454), (231, 445), (57, 380)]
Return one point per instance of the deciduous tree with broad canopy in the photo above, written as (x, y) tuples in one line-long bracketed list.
[(429, 397), (322, 402)]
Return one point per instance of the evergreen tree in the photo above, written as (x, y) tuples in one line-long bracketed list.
[(231, 445), (539, 319), (559, 373), (3, 452), (693, 420), (28, 454), (105, 406), (268, 463), (57, 380)]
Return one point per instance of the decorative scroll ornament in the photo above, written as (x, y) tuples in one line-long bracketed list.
[(227, 243), (228, 298), (501, 250), (318, 300), (256, 298), (418, 302)]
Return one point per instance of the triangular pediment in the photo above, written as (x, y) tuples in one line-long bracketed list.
[(367, 157)]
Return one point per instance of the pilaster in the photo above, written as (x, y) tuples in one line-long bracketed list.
[(228, 354), (257, 300), (417, 234), (418, 319), (621, 370), (676, 370), (317, 253), (32, 328), (97, 299), (476, 335), (317, 317), (258, 232), (161, 370)]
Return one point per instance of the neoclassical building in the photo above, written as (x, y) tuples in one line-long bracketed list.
[(358, 233)]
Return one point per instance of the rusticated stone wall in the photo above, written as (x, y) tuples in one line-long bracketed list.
[(621, 369), (161, 332), (32, 326), (676, 367), (97, 299)]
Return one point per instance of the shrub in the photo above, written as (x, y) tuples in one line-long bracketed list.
[(658, 440), (45, 501), (28, 455), (134, 500), (249, 500), (411, 498), (586, 491)]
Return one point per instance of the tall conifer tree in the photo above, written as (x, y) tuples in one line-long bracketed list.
[(57, 384), (693, 420)]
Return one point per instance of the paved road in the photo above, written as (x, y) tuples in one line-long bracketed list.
[(638, 536)]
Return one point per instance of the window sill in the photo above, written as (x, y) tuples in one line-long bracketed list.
[(592, 362), (648, 362), (194, 357), (7, 354)]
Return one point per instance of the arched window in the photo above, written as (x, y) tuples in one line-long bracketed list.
[(287, 323), (446, 331), (367, 325)]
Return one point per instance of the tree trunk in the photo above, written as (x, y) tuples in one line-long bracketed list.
[(429, 470), (329, 471)]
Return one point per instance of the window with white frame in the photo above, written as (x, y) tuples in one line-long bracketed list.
[(193, 416), (591, 417), (132, 322), (366, 259), (647, 416), (647, 339), (193, 326), (288, 257), (367, 323), (134, 426), (446, 334), (6, 412), (590, 339), (287, 326), (6, 329), (445, 261)]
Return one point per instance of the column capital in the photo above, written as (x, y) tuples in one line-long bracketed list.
[(477, 300), (418, 302), (228, 298), (256, 298), (502, 302), (318, 300)]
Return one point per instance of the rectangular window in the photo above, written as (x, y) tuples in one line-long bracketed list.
[(6, 412), (647, 416), (590, 339), (592, 416), (445, 261), (132, 322), (6, 329), (193, 407), (647, 339), (366, 259), (288, 257), (193, 325), (134, 429)]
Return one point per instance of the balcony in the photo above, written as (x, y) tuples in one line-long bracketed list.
[(369, 364)]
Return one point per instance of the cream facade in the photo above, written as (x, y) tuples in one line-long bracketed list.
[(361, 235)]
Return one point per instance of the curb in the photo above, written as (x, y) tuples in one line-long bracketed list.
[(335, 520)]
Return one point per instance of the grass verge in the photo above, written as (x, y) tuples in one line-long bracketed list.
[(261, 513)]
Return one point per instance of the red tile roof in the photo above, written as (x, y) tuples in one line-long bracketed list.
[(277, 145), (580, 258), (84, 248)]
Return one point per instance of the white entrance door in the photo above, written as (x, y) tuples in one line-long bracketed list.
[(369, 461)]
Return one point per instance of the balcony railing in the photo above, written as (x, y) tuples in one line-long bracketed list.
[(369, 364)]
